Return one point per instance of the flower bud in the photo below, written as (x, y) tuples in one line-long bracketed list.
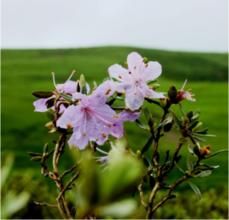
[(204, 151)]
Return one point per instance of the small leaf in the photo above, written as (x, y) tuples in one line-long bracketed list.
[(193, 124), (190, 115), (217, 152), (119, 209), (204, 131), (42, 94), (196, 189), (141, 125), (204, 173), (190, 149), (189, 163), (168, 124), (147, 145), (147, 114)]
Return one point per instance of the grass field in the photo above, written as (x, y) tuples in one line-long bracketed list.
[(25, 71)]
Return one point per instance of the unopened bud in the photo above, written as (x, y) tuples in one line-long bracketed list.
[(204, 151)]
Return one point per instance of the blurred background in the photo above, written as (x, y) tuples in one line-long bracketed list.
[(189, 39)]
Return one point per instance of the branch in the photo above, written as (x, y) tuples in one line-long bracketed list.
[(141, 194), (70, 182), (169, 194), (66, 172)]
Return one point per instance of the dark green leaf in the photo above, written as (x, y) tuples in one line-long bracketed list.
[(147, 145), (216, 153), (195, 188), (42, 94), (204, 173)]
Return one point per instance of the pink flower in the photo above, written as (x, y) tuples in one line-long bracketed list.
[(69, 87), (182, 94), (133, 81), (92, 119)]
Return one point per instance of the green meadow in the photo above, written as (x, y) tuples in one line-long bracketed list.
[(25, 71)]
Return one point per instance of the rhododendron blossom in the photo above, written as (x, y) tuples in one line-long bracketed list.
[(69, 87), (133, 81), (92, 119), (182, 94)]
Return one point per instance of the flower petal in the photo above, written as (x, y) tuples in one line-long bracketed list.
[(134, 60), (149, 93), (70, 118), (152, 71), (134, 99), (78, 140), (68, 87), (104, 91), (117, 130), (118, 72), (40, 105), (77, 95), (128, 115)]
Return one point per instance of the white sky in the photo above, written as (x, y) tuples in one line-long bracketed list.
[(195, 25)]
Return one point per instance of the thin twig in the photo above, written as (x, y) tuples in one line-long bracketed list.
[(70, 182), (66, 172), (45, 204), (169, 194), (141, 194), (151, 199)]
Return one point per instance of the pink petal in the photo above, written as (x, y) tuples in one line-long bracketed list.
[(117, 130), (68, 87), (149, 93), (152, 71), (134, 60), (104, 91), (78, 95), (70, 118), (117, 72), (40, 105), (128, 115), (78, 140), (134, 99)]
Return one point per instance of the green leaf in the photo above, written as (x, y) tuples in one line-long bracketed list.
[(147, 145), (168, 123), (13, 203), (42, 94), (216, 153), (204, 173), (189, 163), (6, 169), (195, 189), (147, 114), (121, 209), (141, 125)]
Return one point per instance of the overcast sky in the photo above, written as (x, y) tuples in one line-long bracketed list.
[(194, 25)]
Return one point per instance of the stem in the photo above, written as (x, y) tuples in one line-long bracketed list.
[(141, 194), (175, 155), (151, 199), (158, 135), (169, 194), (61, 202)]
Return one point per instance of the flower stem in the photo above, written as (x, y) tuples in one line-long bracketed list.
[(61, 202)]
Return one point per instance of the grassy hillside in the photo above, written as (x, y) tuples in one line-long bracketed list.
[(24, 71)]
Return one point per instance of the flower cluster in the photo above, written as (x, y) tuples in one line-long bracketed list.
[(89, 115), (92, 116)]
